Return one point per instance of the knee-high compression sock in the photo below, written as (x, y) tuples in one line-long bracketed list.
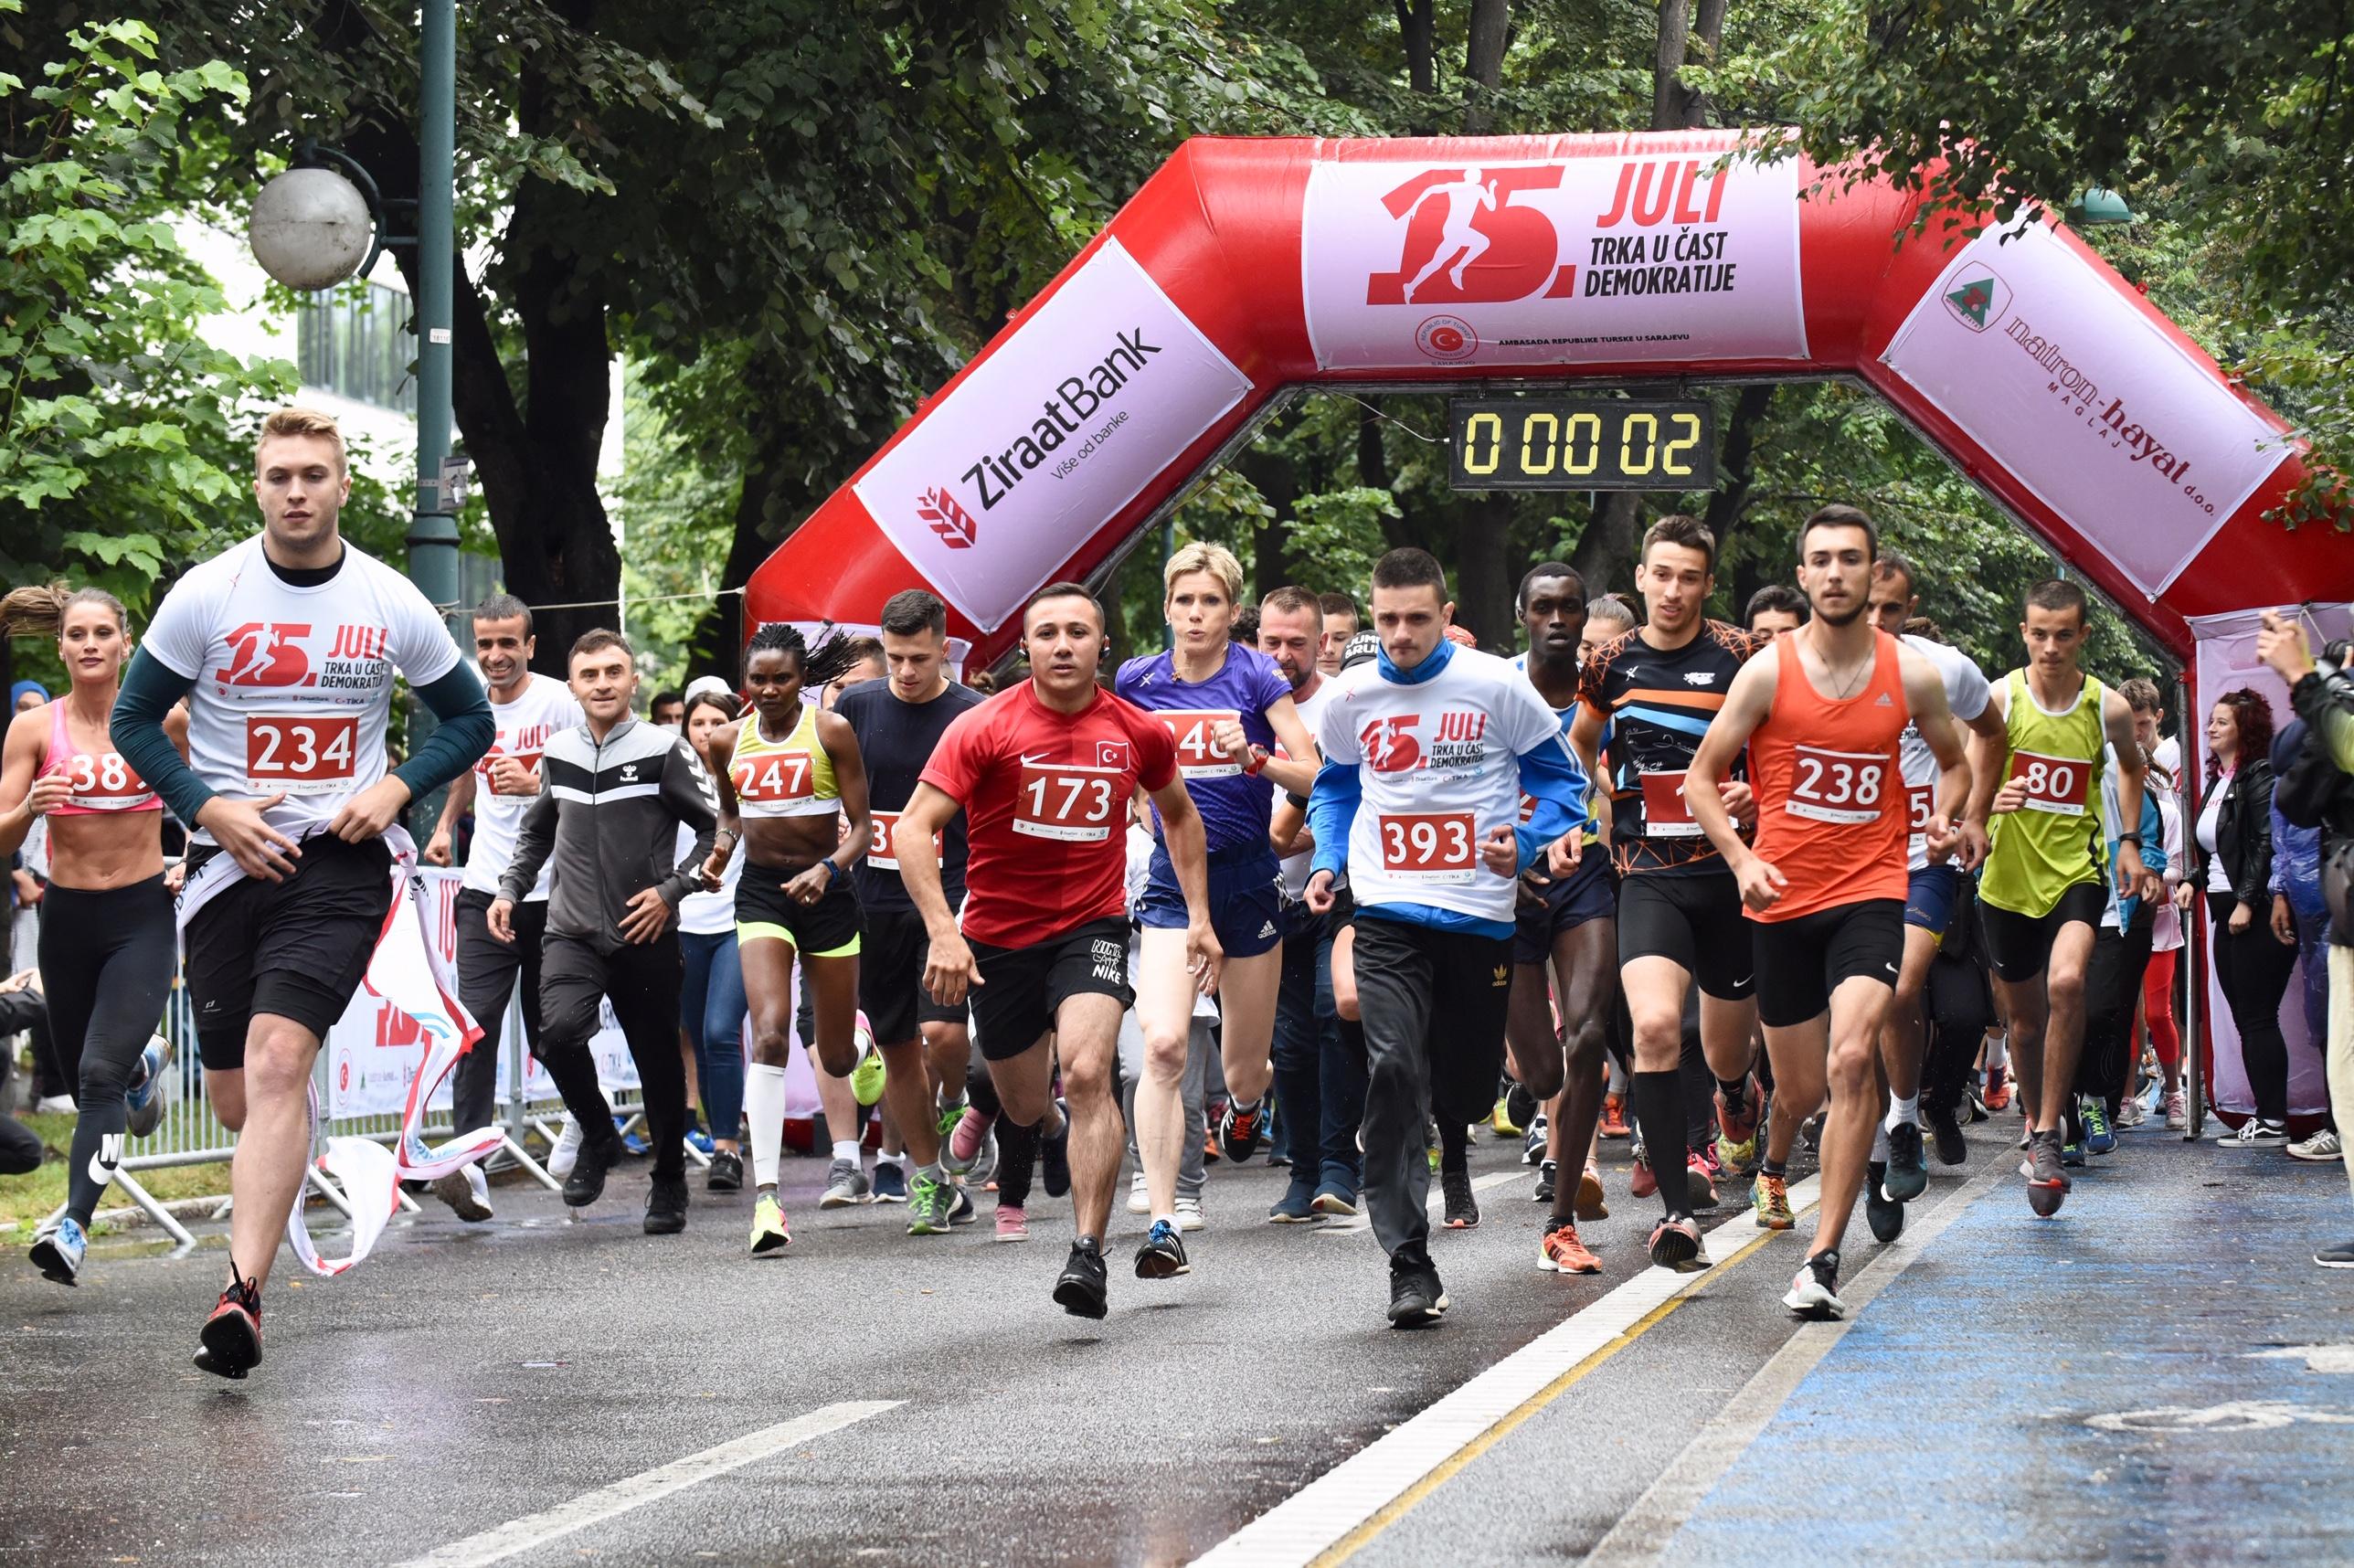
[(764, 1107), (1660, 1116)]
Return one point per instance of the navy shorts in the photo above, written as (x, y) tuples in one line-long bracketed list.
[(1929, 898), (1246, 898), (1589, 893)]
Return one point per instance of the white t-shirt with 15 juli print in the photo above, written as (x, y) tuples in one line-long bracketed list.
[(292, 684), (543, 708)]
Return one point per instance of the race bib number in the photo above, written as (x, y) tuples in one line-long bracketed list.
[(2055, 784), (777, 778), (1429, 847), (301, 756), (490, 771), (881, 854), (1069, 804), (1194, 730), (102, 783), (1836, 785), (1920, 805), (1666, 813)]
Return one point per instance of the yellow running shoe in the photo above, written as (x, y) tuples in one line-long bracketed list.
[(1769, 1201), (1503, 1118), (770, 1235), (866, 1078)]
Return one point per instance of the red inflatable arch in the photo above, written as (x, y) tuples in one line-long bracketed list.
[(1245, 267)]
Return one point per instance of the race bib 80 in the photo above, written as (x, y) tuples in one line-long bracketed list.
[(2055, 784)]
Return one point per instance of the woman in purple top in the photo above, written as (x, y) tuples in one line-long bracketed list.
[(1238, 736)]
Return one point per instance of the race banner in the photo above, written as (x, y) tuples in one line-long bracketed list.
[(1566, 261)]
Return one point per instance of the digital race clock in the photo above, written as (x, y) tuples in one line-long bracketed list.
[(1581, 443)]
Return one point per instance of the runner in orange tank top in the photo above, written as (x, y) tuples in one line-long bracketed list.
[(1822, 712)]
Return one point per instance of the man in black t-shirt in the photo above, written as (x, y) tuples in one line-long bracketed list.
[(898, 720)]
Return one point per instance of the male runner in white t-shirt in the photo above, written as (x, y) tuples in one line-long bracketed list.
[(286, 647)]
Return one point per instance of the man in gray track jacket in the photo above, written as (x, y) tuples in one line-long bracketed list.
[(613, 793)]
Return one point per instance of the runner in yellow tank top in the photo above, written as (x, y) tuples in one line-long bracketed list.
[(2041, 895)]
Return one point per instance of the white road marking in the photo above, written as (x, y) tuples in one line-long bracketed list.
[(634, 1491), (1320, 1515)]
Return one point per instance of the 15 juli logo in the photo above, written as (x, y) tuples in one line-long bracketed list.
[(1390, 745), (267, 653)]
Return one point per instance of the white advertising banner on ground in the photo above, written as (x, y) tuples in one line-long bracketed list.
[(375, 1050), (2111, 423), (1566, 261), (1095, 394)]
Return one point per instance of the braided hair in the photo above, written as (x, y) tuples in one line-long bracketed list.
[(835, 655)]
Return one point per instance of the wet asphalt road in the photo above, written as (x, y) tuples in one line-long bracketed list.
[(471, 1376)]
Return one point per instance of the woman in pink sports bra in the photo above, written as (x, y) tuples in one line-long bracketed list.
[(108, 941)]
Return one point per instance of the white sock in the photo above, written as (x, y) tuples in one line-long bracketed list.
[(846, 1148), (1879, 1143), (1170, 1217), (1901, 1111), (764, 1107), (900, 1159), (1997, 1051)]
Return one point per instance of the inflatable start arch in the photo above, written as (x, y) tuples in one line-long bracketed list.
[(1247, 267)]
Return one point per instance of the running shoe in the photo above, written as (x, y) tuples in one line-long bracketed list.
[(1810, 1133), (1239, 1131), (699, 1140), (1080, 1289), (1699, 1182), (1532, 1143), (564, 1152), (2338, 1256), (1884, 1214), (890, 1182), (770, 1235), (1012, 1224), (2099, 1137), (2256, 1133), (866, 1078), (231, 1337), (57, 1250), (1736, 1127), (1500, 1119), (1979, 1111), (1417, 1299), (1814, 1294), (590, 1167), (1945, 1132), (467, 1192), (962, 1146), (1161, 1253), (983, 1173), (1548, 1178), (1210, 1155), (1296, 1207), (1769, 1202), (1054, 1157), (2322, 1146), (632, 1143), (726, 1173), (1139, 1202), (2131, 1112), (845, 1184), (1908, 1163), (666, 1205), (929, 1202), (142, 1102), (2178, 1110), (1997, 1088), (949, 1117), (960, 1208), (1336, 1201), (1562, 1253), (1462, 1208), (1645, 1181), (1676, 1244), (1614, 1117), (1520, 1107), (1591, 1202), (2047, 1177), (1189, 1215)]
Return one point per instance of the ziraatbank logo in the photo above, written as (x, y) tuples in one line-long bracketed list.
[(2139, 445), (1062, 418)]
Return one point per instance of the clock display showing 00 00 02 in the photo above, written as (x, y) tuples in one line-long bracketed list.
[(1581, 443)]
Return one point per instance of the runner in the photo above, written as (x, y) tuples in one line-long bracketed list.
[(1226, 707), (1680, 912), (285, 646), (106, 951), (898, 723), (526, 709), (1902, 1168), (1775, 608), (2041, 894), (1341, 623), (1822, 711), (785, 776), (1043, 772), (1429, 753), (711, 1003), (1574, 925)]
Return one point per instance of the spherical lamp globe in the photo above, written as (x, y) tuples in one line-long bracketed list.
[(311, 228)]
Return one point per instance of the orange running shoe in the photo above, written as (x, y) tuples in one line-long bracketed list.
[(1700, 1182), (1590, 1204), (1646, 1181), (1562, 1253), (1613, 1115), (1997, 1088)]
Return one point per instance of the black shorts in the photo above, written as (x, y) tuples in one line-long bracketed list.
[(1023, 988), (825, 930), (2018, 947), (1693, 918), (1589, 893), (295, 948), (1800, 962), (893, 949)]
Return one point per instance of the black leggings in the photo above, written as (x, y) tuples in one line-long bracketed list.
[(106, 969), (2253, 969)]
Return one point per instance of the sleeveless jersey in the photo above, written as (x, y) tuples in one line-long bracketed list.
[(788, 777), (1830, 785), (2054, 843), (102, 782)]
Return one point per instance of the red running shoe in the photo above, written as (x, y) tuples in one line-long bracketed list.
[(1997, 1088), (1614, 1117), (1562, 1253), (232, 1335)]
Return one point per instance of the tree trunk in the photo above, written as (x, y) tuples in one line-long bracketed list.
[(1483, 63), (1728, 508), (1708, 32), (1483, 569), (1667, 95), (1418, 28), (1606, 551)]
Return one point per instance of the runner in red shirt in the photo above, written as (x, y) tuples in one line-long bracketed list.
[(1043, 772)]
